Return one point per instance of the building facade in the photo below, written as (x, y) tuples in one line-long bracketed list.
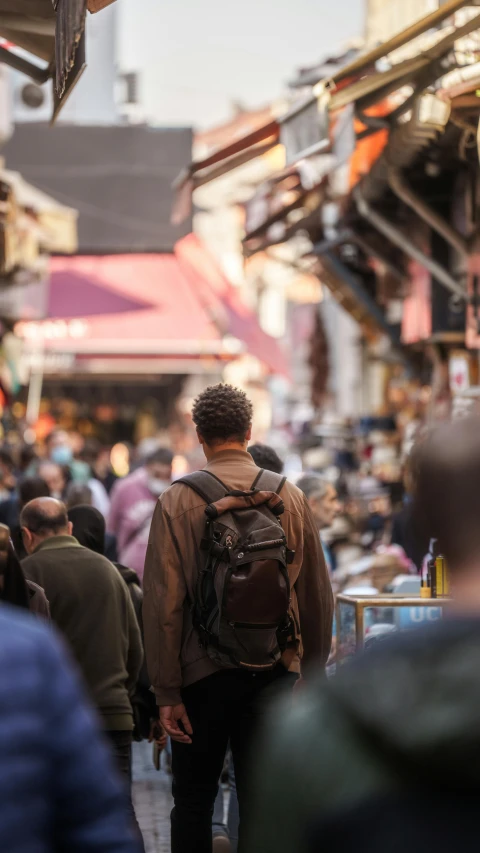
[(384, 18)]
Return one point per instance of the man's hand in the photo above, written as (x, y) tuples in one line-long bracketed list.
[(158, 735), (170, 715)]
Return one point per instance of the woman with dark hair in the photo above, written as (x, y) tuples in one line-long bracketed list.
[(15, 589), (91, 528)]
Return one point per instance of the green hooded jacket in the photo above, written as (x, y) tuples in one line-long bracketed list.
[(402, 718)]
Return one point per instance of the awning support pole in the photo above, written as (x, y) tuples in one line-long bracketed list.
[(398, 239), (406, 194)]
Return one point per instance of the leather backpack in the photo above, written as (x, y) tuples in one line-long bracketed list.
[(242, 601)]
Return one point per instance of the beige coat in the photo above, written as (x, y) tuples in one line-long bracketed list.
[(174, 657)]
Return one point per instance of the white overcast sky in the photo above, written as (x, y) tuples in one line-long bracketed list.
[(196, 57)]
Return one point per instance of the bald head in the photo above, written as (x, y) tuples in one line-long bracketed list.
[(43, 518)]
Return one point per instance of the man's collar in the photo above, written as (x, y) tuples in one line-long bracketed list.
[(53, 543), (230, 455)]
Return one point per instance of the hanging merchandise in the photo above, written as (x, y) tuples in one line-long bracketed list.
[(459, 370), (13, 372)]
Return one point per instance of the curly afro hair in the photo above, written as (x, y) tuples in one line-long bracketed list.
[(222, 413)]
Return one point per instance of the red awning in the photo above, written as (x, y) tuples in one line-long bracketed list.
[(72, 293), (148, 304), (173, 306), (222, 299)]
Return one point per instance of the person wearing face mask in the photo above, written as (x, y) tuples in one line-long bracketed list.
[(60, 452), (133, 502)]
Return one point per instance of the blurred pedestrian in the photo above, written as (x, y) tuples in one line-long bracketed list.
[(60, 451), (132, 506), (57, 478), (204, 701), (80, 495), (7, 474), (27, 461), (266, 457), (381, 757), (57, 785), (91, 606), (405, 528), (27, 489), (88, 528), (98, 458), (15, 589), (323, 501)]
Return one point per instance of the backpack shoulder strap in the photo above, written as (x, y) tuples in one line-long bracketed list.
[(268, 481), (206, 485)]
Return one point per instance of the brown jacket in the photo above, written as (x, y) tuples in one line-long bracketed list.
[(174, 657)]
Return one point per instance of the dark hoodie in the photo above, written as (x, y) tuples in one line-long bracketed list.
[(385, 757), (89, 529)]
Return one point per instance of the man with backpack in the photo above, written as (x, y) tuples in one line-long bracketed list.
[(236, 595)]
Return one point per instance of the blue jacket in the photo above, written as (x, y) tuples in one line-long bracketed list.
[(58, 790)]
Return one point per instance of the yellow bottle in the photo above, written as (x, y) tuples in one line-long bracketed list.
[(442, 587)]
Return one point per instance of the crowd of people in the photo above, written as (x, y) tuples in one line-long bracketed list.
[(184, 606)]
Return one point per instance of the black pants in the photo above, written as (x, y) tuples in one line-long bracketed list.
[(227, 706), (122, 751)]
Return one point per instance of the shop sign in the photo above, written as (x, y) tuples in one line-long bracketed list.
[(411, 617), (49, 362), (459, 372), (53, 330), (304, 130)]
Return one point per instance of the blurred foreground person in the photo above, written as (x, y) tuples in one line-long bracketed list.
[(215, 655), (132, 505), (385, 755), (91, 606), (57, 785)]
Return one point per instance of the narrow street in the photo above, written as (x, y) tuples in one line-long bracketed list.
[(152, 799)]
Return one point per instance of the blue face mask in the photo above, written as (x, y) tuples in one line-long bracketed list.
[(62, 455)]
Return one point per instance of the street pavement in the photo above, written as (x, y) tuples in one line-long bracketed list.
[(152, 798)]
